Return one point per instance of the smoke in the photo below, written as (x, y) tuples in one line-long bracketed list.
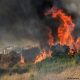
[(73, 7), (20, 21)]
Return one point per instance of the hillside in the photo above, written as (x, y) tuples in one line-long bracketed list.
[(55, 68)]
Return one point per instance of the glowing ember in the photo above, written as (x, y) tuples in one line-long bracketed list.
[(22, 59), (43, 55), (50, 38)]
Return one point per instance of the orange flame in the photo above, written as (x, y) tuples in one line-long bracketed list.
[(22, 59), (43, 55), (50, 38), (66, 27), (65, 30)]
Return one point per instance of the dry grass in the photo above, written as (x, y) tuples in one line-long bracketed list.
[(55, 68), (73, 72), (68, 74), (15, 77)]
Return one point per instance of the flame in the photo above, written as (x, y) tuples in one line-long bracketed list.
[(65, 36), (22, 59), (65, 30), (42, 56), (50, 38)]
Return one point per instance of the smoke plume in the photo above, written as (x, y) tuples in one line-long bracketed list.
[(22, 22)]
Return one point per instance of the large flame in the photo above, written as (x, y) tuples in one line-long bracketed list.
[(65, 36), (65, 29), (78, 43), (42, 56)]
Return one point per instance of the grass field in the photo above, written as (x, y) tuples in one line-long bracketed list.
[(54, 66)]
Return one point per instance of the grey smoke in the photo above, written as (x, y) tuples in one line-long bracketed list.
[(73, 6), (19, 22)]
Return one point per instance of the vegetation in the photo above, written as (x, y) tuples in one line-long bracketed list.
[(31, 71)]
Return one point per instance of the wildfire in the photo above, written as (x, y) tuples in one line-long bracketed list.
[(65, 30), (43, 55), (65, 36), (22, 59)]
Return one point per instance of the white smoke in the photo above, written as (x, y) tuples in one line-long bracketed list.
[(72, 5)]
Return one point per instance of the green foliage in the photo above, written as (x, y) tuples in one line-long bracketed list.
[(57, 63), (54, 64)]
